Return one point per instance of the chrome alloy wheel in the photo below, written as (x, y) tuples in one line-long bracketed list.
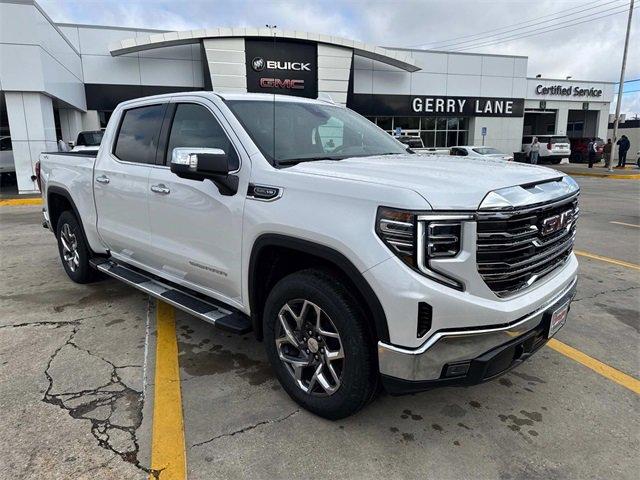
[(70, 252), (310, 347)]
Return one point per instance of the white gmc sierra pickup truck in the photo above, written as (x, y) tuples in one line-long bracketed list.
[(356, 261)]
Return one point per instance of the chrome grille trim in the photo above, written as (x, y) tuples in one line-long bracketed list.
[(512, 252)]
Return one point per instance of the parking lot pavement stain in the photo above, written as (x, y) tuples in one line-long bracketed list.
[(505, 382), (532, 379), (198, 362), (113, 408), (453, 411), (627, 316), (406, 413)]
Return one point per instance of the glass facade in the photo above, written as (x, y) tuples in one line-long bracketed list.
[(434, 131)]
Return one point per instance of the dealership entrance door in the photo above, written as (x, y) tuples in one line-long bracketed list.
[(539, 122)]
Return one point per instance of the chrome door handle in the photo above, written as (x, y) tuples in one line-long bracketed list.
[(103, 179), (160, 188)]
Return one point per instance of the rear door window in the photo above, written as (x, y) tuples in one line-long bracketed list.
[(137, 139), (195, 127)]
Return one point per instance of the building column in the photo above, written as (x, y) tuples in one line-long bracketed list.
[(32, 130), (90, 120), (225, 64), (334, 68), (562, 117), (70, 124)]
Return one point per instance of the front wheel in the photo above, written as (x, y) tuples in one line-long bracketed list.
[(318, 344)]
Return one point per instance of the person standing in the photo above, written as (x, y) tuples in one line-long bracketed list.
[(623, 148), (591, 149), (606, 151), (62, 146), (534, 151)]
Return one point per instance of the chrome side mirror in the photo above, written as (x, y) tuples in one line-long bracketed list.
[(203, 161), (196, 163)]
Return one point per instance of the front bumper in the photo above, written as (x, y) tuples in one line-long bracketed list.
[(483, 353)]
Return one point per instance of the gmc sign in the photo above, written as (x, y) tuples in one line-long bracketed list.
[(284, 66), (287, 83)]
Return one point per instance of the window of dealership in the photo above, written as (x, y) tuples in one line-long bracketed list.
[(434, 131)]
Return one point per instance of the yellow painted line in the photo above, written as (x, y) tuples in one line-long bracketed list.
[(167, 447), (597, 366), (632, 176), (626, 224), (16, 202), (593, 256)]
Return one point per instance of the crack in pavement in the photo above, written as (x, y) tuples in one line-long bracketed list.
[(58, 324), (246, 429), (597, 294), (113, 408), (42, 324)]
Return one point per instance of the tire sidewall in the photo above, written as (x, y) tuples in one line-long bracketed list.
[(358, 365)]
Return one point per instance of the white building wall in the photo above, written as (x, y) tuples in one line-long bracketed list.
[(455, 74), (36, 56), (70, 124), (33, 131), (226, 59), (178, 66), (334, 68)]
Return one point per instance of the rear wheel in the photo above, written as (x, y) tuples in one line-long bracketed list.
[(73, 249), (318, 344)]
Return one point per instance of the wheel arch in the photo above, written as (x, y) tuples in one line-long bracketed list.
[(306, 253), (58, 201)]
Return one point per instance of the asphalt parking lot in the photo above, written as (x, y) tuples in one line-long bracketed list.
[(78, 371)]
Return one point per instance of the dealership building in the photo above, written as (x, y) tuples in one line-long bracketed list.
[(58, 79)]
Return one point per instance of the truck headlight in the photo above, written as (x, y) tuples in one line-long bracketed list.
[(418, 239)]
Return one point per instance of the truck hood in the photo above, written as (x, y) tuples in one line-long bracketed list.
[(447, 183)]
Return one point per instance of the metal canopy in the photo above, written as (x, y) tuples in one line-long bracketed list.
[(400, 59)]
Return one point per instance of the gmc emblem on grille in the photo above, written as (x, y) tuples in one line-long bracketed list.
[(556, 222)]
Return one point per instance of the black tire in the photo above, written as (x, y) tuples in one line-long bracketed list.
[(80, 271), (358, 370), (556, 161)]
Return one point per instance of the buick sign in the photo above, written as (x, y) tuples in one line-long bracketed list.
[(284, 66), (258, 64)]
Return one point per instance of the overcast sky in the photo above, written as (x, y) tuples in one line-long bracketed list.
[(591, 50)]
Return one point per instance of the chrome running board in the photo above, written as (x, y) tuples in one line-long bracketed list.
[(223, 318)]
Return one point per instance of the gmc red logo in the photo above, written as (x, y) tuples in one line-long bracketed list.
[(287, 83), (557, 222)]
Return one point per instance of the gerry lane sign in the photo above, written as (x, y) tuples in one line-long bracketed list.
[(422, 105)]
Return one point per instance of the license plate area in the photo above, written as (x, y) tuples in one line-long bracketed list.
[(558, 318)]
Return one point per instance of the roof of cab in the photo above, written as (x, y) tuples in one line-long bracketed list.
[(266, 97)]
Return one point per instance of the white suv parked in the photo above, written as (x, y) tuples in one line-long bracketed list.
[(355, 261), (553, 148)]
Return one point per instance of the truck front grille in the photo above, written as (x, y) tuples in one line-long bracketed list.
[(517, 248)]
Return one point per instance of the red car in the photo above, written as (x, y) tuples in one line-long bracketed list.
[(579, 149)]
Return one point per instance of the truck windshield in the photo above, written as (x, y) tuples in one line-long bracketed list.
[(291, 132)]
